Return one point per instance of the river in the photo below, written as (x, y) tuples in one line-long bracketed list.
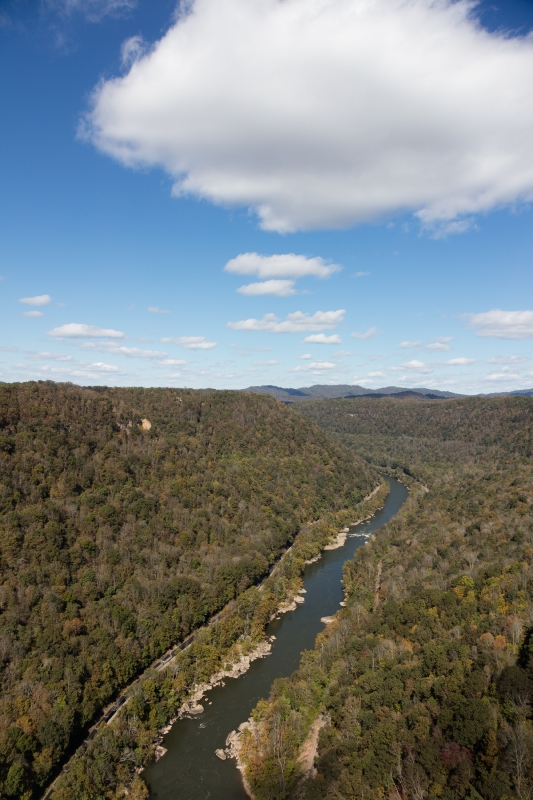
[(190, 770)]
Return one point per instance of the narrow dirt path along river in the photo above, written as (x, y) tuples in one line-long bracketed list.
[(190, 770)]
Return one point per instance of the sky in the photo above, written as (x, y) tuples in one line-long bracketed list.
[(229, 193)]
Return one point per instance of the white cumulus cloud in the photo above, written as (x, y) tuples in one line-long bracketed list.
[(460, 362), (280, 288), (499, 324), (321, 338), (33, 314), (297, 322), (76, 330), (409, 344), (38, 300), (326, 113), (190, 342)]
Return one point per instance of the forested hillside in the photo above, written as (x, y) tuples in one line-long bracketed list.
[(127, 517), (425, 681)]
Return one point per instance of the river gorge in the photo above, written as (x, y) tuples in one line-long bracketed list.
[(190, 770)]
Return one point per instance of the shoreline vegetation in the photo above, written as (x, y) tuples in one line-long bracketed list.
[(277, 594), (237, 741), (264, 646), (425, 677), (129, 517)]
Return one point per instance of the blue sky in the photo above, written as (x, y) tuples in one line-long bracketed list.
[(154, 162)]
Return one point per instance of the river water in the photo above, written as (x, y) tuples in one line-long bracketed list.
[(190, 770)]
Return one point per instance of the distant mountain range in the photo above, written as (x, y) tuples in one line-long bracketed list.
[(326, 392)]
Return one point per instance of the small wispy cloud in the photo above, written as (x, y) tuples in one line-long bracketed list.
[(297, 322), (280, 288), (438, 347), (439, 344), (77, 330), (414, 366), (49, 357), (132, 50), (190, 342), (317, 367), (305, 356), (498, 324), (92, 10), (33, 314), (37, 300), (286, 265), (270, 363), (368, 334), (322, 338), (507, 360), (408, 344), (504, 376), (78, 370), (122, 350), (361, 274), (440, 230), (157, 310), (460, 362)]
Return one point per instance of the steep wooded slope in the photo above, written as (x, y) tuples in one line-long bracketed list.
[(426, 679), (116, 541)]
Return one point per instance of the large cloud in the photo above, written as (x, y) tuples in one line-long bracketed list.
[(325, 113)]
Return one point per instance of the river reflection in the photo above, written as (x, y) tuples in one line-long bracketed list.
[(190, 770)]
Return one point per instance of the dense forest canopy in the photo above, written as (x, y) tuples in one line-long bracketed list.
[(425, 681), (127, 518)]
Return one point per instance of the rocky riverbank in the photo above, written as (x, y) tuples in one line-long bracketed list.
[(305, 761), (193, 707)]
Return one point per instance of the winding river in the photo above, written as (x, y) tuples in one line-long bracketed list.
[(190, 770)]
